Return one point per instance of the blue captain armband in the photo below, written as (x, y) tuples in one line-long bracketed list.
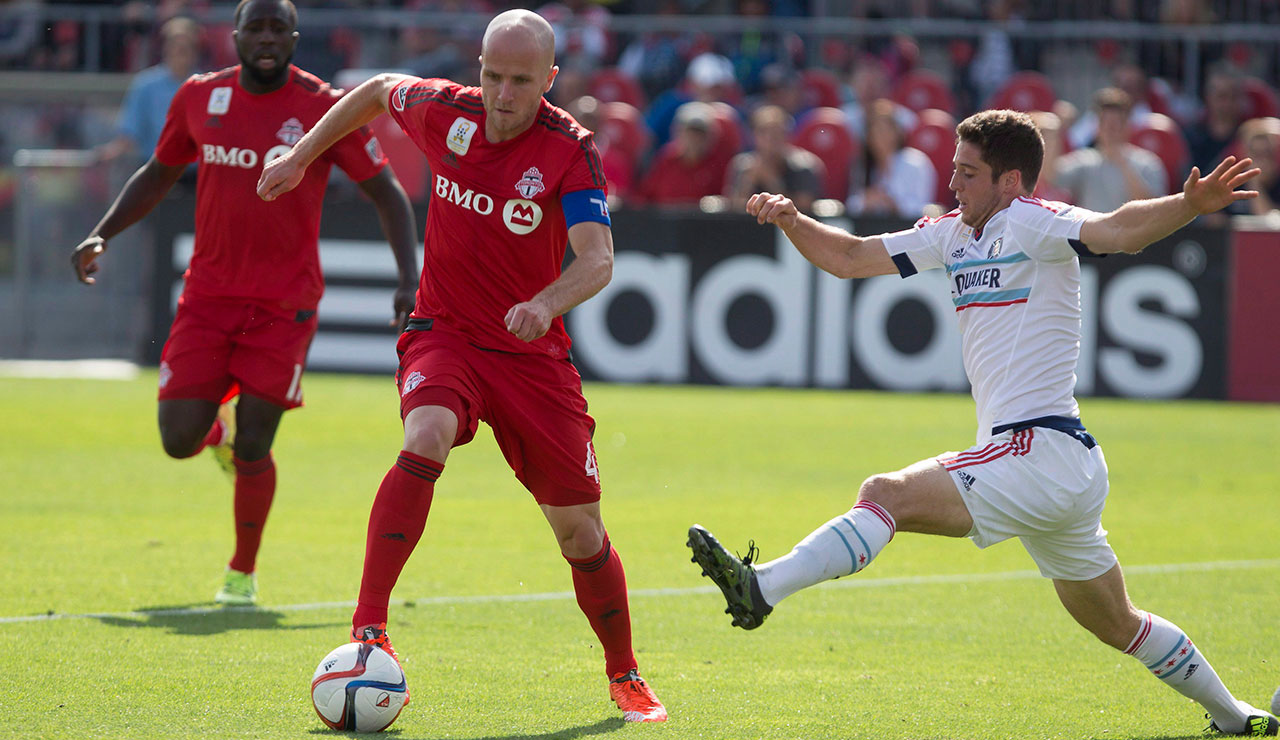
[(584, 205)]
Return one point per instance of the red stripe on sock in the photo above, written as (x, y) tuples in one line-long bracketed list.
[(1143, 630), (879, 511)]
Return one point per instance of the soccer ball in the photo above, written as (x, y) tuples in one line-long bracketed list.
[(1275, 703), (358, 687)]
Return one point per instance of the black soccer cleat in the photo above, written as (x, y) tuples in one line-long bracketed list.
[(735, 577), (1258, 725)]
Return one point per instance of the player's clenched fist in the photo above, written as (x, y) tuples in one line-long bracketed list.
[(281, 175), (773, 208), (528, 321), (85, 258)]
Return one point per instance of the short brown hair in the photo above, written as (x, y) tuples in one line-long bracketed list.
[(1006, 140), (1112, 98)]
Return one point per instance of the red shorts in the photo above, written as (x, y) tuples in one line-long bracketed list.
[(220, 346), (533, 403)]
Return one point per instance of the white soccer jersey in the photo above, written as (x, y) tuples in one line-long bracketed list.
[(1016, 288)]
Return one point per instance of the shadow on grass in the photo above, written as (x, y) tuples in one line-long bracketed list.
[(603, 726), (192, 619)]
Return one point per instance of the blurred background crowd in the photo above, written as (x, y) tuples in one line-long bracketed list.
[(699, 103)]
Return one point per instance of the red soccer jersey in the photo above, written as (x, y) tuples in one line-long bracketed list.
[(496, 230), (246, 247)]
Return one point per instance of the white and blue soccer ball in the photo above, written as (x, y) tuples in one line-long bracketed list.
[(1275, 703), (358, 687)]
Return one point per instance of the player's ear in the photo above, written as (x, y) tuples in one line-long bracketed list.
[(551, 77)]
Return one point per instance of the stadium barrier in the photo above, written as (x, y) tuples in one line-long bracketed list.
[(717, 299)]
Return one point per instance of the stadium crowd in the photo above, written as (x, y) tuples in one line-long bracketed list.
[(683, 115)]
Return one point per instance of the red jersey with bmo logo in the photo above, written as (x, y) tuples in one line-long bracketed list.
[(246, 247), (496, 231)]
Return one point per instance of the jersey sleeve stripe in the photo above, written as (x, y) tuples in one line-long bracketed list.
[(593, 161)]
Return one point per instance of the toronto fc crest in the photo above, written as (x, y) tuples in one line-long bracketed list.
[(531, 184), (291, 131)]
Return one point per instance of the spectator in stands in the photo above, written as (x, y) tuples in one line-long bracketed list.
[(1112, 172), (774, 165), (427, 50), (147, 101), (581, 28), (993, 63), (893, 179), (688, 167), (1050, 126), (869, 82), (656, 59), (1260, 141), (709, 78), (619, 171), (1223, 113), (1131, 79), (780, 85)]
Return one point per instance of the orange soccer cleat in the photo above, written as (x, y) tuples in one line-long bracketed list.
[(376, 635), (636, 700)]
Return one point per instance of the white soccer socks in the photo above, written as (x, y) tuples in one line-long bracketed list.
[(841, 547), (1171, 657)]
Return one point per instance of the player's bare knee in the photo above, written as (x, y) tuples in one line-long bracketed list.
[(430, 441), (581, 538), (885, 490), (177, 445)]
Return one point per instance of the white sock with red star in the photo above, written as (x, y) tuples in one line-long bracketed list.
[(1169, 654), (841, 547)]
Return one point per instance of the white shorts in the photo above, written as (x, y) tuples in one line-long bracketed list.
[(1044, 487)]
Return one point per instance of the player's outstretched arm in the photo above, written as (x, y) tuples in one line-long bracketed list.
[(355, 109), (836, 251), (139, 195), (590, 271), (1134, 225), (398, 226)]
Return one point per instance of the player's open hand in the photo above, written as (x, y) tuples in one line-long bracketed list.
[(279, 176), (85, 258), (1217, 190), (528, 320), (772, 208)]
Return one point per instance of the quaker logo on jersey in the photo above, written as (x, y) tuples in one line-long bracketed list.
[(994, 250), (291, 131), (219, 101), (460, 133), (413, 381), (398, 97), (531, 184), (521, 216)]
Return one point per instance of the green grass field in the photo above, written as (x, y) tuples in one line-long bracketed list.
[(936, 640)]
